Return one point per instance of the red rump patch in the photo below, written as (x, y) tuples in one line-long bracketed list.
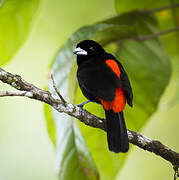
[(118, 104)]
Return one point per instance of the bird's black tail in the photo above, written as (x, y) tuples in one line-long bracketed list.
[(116, 132)]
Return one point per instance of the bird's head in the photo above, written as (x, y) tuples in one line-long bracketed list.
[(88, 48)]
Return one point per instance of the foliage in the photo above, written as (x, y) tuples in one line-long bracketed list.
[(148, 67), (82, 151), (16, 19)]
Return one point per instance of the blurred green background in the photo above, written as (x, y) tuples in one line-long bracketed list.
[(26, 151)]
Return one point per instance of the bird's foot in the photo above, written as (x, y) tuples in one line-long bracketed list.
[(81, 106)]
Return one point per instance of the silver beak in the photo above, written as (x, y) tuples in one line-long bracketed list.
[(79, 51)]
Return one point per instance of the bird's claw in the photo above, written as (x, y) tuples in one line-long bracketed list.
[(81, 111), (82, 104), (81, 107)]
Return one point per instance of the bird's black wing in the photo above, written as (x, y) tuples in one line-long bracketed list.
[(126, 85), (98, 82)]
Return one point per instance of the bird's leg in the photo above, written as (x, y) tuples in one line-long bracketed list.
[(81, 106)]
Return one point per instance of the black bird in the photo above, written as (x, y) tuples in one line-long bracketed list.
[(103, 80)]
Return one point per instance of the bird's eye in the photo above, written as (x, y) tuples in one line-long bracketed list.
[(91, 49)]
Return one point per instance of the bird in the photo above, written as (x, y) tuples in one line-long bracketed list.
[(103, 80)]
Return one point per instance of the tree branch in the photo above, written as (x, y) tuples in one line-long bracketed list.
[(15, 93), (57, 91), (150, 36), (172, 6), (29, 90), (144, 37)]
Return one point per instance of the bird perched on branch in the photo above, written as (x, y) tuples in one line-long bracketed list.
[(103, 80)]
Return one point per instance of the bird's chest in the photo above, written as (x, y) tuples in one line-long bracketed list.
[(90, 71)]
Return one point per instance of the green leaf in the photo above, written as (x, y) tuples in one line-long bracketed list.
[(149, 71), (16, 19), (73, 158), (128, 5)]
